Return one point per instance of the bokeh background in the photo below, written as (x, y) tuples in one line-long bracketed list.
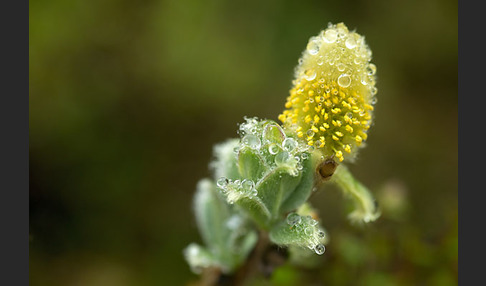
[(127, 99)]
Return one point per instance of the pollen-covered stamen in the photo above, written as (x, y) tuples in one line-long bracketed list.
[(331, 103)]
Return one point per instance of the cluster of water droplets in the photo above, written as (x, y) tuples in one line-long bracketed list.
[(341, 56), (236, 189), (249, 132), (309, 227), (271, 143)]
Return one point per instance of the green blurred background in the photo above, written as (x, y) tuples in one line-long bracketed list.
[(127, 99)]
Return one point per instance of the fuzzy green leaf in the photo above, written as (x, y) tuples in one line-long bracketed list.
[(284, 234), (275, 188), (250, 164), (211, 213), (225, 161), (224, 230), (273, 133), (255, 208), (304, 189), (366, 209), (301, 231), (199, 257)]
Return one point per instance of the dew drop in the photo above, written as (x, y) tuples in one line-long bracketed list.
[(299, 226), (344, 80), (273, 148), (254, 192), (349, 115), (313, 47), (304, 156), (330, 36), (293, 219), (350, 43), (341, 67), (310, 133), (252, 141), (318, 144), (282, 158), (248, 185), (371, 69), (374, 90), (222, 182), (289, 144), (308, 231), (342, 30), (321, 234), (374, 100), (364, 81), (320, 60), (273, 133), (320, 249), (310, 74)]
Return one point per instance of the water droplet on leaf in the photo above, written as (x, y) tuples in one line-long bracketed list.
[(273, 149), (320, 249), (282, 158), (222, 182), (293, 219), (251, 141), (289, 144)]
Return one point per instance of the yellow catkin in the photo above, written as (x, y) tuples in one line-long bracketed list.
[(333, 92)]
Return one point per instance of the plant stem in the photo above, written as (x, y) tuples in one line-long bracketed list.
[(252, 266)]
